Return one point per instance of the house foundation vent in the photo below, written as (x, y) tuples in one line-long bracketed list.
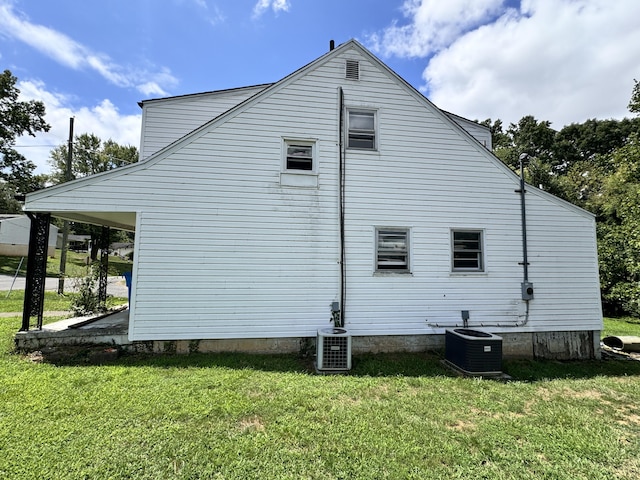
[(333, 350)]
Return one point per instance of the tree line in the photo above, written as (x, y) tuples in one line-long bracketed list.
[(594, 165)]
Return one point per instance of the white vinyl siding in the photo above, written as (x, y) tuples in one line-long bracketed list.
[(226, 250), (166, 120)]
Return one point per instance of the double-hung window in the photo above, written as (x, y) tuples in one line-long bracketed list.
[(467, 252), (362, 129), (299, 156), (392, 250)]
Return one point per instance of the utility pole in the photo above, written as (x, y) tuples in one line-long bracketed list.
[(65, 227)]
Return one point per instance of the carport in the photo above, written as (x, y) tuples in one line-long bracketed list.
[(37, 255)]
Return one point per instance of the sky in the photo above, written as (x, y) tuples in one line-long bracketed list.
[(564, 61)]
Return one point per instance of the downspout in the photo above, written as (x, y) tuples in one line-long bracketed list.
[(343, 282)]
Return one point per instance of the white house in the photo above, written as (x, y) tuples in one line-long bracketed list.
[(14, 236), (258, 209)]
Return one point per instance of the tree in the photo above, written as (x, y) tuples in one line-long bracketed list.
[(90, 155), (634, 103), (619, 232), (16, 119)]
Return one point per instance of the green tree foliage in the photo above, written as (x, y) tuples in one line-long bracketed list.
[(618, 204), (17, 118), (634, 103), (90, 155), (533, 137)]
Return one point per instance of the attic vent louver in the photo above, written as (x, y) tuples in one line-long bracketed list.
[(353, 70)]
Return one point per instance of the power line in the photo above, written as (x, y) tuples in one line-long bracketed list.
[(37, 146)]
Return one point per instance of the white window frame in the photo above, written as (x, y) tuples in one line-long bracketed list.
[(479, 252), (406, 269), (292, 142), (373, 133)]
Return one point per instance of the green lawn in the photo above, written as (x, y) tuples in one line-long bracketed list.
[(75, 267), (621, 326), (14, 302), (238, 416)]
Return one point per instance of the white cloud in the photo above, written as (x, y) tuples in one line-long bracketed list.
[(102, 119), (276, 5), (72, 54), (434, 24), (563, 61)]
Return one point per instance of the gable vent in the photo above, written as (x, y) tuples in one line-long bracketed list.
[(353, 70)]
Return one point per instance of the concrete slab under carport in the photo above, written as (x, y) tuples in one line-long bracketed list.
[(111, 328)]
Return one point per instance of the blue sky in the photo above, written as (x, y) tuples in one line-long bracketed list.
[(559, 60)]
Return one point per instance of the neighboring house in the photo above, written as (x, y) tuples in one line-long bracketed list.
[(256, 209), (14, 236), (76, 243)]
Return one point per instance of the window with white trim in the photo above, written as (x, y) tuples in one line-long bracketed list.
[(361, 129), (392, 250), (467, 255), (299, 156)]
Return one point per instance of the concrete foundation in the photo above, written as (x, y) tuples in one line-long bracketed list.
[(112, 330)]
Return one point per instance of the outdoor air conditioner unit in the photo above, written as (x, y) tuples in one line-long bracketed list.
[(333, 350), (473, 352)]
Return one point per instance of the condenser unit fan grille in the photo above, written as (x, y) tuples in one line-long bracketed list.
[(334, 352)]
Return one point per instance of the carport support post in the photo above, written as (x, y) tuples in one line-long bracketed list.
[(36, 269), (104, 265)]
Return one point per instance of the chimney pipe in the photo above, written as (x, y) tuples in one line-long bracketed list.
[(332, 45)]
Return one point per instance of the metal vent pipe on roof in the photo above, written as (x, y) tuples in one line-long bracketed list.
[(332, 45)]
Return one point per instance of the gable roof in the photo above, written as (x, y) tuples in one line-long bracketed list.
[(270, 89)]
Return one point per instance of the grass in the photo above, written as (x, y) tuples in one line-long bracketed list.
[(621, 326), (75, 266), (52, 301), (237, 416)]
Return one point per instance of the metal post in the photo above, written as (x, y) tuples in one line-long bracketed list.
[(36, 269)]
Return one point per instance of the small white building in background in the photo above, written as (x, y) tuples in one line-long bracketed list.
[(256, 209), (14, 236)]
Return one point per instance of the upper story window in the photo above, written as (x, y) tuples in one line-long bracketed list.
[(362, 129), (392, 250), (467, 252), (299, 163), (299, 157)]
